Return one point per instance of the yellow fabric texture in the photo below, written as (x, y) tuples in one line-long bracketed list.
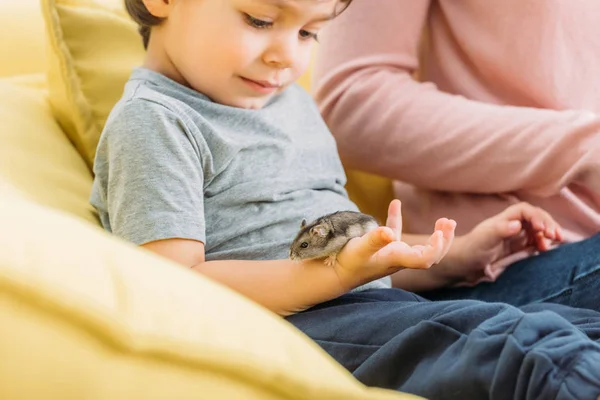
[(92, 48), (22, 33), (87, 315), (35, 154)]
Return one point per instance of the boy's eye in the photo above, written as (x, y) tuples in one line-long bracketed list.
[(308, 35), (256, 23)]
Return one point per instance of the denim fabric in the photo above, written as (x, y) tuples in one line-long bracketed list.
[(532, 334), (569, 275), (463, 349)]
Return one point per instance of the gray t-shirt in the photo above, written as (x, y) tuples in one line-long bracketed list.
[(171, 163)]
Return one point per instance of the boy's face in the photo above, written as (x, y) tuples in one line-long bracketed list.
[(239, 53)]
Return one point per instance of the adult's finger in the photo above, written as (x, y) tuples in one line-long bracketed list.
[(538, 218), (507, 228)]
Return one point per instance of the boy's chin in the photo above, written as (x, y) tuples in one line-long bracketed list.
[(250, 103)]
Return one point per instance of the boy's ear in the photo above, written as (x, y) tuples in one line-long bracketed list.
[(158, 8)]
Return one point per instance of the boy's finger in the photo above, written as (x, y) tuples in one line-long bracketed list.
[(433, 252), (394, 219), (376, 239), (447, 226)]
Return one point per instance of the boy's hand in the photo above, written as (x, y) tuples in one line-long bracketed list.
[(521, 227), (381, 252)]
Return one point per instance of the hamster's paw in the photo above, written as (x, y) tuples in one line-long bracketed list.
[(330, 260)]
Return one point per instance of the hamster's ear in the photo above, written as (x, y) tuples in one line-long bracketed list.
[(319, 230), (303, 223)]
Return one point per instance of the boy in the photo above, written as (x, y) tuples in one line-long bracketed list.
[(213, 157)]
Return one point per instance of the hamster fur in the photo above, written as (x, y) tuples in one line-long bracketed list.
[(326, 236)]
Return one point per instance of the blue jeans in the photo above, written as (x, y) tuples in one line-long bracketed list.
[(540, 347), (569, 275)]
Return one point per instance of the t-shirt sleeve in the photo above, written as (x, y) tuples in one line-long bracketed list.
[(149, 176)]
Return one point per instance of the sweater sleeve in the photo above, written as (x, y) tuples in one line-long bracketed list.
[(385, 122)]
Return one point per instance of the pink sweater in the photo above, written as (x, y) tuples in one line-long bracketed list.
[(507, 107)]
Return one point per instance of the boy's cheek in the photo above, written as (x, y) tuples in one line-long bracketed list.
[(301, 67)]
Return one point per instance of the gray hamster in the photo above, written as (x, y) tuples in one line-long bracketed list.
[(326, 236)]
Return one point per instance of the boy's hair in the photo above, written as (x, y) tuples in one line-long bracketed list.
[(140, 14)]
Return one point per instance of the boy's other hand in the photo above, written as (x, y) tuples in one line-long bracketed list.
[(382, 252)]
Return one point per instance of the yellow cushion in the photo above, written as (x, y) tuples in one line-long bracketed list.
[(35, 154), (92, 49), (371, 193), (22, 33), (84, 314)]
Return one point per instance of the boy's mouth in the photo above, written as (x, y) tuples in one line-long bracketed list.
[(264, 87)]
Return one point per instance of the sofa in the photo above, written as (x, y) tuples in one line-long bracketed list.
[(83, 314)]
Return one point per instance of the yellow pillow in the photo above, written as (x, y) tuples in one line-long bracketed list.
[(22, 29), (371, 193), (85, 315), (35, 154), (92, 49)]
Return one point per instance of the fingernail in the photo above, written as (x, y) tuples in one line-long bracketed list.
[(514, 225)]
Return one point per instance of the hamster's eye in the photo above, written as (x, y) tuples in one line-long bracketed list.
[(304, 245)]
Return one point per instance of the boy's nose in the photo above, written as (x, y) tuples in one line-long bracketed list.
[(282, 53)]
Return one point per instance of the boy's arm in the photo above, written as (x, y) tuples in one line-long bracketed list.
[(283, 286), (288, 287)]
